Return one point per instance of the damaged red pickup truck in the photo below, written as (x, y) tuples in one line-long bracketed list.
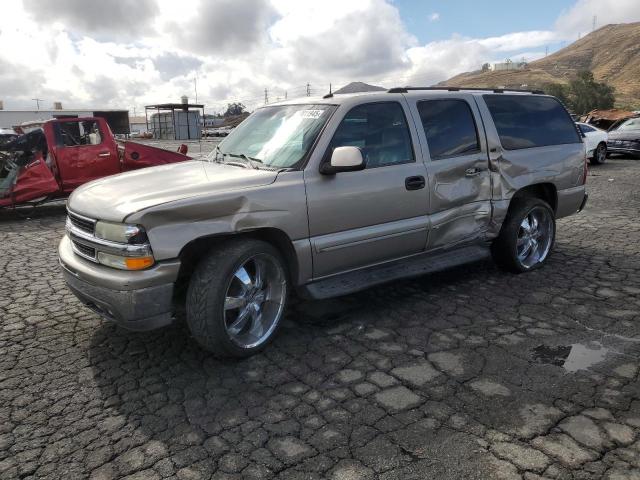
[(49, 162)]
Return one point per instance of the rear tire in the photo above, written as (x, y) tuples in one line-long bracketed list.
[(237, 297), (599, 154), (527, 235)]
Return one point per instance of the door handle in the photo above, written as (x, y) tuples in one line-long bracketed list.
[(414, 183), (472, 172), (104, 154)]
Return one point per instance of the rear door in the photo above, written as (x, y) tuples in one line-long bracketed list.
[(453, 141), (373, 215), (83, 153)]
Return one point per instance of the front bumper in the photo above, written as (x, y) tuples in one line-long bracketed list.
[(623, 150), (140, 300)]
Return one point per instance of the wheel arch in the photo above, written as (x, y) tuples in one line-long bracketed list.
[(545, 191), (195, 250)]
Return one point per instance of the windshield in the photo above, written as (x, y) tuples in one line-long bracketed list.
[(276, 137), (631, 124)]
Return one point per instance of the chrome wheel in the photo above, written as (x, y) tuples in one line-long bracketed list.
[(254, 300), (601, 153), (535, 237)]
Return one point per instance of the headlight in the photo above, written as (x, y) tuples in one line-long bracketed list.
[(125, 263), (120, 232)]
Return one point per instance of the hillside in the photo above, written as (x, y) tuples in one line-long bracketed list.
[(612, 53), (355, 87)]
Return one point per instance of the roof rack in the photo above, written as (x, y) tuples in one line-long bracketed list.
[(459, 89)]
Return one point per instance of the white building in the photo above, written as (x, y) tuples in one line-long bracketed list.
[(501, 66)]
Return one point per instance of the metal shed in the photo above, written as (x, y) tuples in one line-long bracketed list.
[(175, 121)]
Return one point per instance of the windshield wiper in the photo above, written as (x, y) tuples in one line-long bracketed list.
[(251, 161)]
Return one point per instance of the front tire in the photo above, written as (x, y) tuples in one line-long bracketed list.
[(599, 154), (527, 235), (236, 298)]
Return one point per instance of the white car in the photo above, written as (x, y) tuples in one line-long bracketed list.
[(595, 141)]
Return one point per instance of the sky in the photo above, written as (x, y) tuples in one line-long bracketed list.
[(131, 53)]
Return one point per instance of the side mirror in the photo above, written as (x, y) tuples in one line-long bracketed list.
[(343, 159)]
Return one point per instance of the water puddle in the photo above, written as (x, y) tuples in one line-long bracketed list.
[(572, 358)]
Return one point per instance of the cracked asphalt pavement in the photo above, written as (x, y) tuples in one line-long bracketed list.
[(470, 373)]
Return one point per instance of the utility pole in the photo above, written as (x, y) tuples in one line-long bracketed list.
[(285, 94), (308, 90), (546, 50), (266, 96), (37, 100), (595, 20), (195, 86)]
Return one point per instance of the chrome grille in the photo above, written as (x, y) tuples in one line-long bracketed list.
[(84, 250), (82, 223)]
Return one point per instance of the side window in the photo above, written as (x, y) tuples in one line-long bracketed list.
[(379, 130), (449, 127), (79, 133), (585, 128), (526, 121)]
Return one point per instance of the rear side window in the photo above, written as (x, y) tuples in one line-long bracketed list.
[(449, 128), (379, 130), (526, 121)]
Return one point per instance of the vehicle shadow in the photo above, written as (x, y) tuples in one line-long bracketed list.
[(48, 210)]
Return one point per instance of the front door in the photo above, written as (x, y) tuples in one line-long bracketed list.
[(459, 177), (83, 154), (377, 214)]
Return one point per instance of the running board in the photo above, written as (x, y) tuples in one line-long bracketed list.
[(414, 266)]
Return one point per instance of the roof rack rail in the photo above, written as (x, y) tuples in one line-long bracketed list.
[(458, 89)]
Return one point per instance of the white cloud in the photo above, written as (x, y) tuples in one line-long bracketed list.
[(434, 17), (579, 18), (146, 51)]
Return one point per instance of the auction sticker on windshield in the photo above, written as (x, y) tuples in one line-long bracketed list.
[(311, 113)]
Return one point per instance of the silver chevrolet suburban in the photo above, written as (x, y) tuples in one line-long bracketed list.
[(325, 196)]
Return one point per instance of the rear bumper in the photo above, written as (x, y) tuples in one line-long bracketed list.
[(570, 201), (134, 300), (584, 202)]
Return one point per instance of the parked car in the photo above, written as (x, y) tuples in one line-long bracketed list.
[(7, 135), (55, 157), (326, 197), (625, 138), (595, 141)]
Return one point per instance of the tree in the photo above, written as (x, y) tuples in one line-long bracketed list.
[(583, 93), (233, 109), (558, 90)]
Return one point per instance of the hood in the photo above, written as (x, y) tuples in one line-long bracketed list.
[(114, 198)]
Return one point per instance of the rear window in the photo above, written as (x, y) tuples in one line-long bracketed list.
[(526, 121)]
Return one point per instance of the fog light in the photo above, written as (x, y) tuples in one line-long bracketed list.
[(125, 263)]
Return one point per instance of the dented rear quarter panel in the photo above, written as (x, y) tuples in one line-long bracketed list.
[(563, 166)]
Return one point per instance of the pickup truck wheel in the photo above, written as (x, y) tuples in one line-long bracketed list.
[(236, 298), (599, 154), (526, 237)]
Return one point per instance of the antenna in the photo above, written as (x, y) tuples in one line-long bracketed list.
[(595, 21), (195, 86), (308, 90), (546, 50), (266, 97)]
